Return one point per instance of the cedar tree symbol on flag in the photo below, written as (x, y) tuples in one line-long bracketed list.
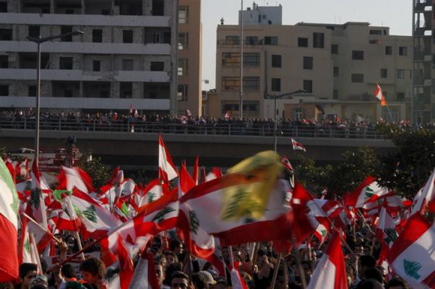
[(297, 146), (379, 95)]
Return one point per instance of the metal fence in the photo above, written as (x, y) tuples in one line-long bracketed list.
[(247, 129)]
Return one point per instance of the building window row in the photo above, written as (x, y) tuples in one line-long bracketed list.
[(250, 83), (251, 108), (318, 40), (249, 40), (233, 59)]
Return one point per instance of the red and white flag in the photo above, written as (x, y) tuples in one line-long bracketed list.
[(297, 146), (379, 95), (70, 178), (227, 115), (368, 191), (412, 256), (330, 271), (145, 274), (167, 169), (8, 226), (287, 165), (425, 198)]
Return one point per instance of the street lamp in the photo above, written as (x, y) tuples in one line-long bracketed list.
[(275, 113), (39, 40)]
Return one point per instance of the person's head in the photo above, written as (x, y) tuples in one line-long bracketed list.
[(177, 247), (39, 282), (199, 281), (369, 284), (93, 270), (8, 285), (27, 271), (365, 262), (160, 272), (171, 258), (373, 273), (68, 271), (209, 280), (179, 280), (396, 283)]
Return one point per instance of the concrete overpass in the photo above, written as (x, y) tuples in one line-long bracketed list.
[(140, 150)]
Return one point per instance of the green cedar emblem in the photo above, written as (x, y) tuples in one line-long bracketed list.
[(124, 210), (369, 192), (323, 233), (391, 236), (35, 198), (27, 246), (89, 213), (412, 268), (160, 216), (151, 197), (194, 222)]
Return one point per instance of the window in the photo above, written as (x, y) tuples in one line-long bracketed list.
[(400, 96), (183, 41), (96, 65), (308, 63), (357, 55), (183, 14), (318, 40), (276, 61), (400, 73), (69, 11), (384, 73), (5, 34), (334, 48), (336, 71), (3, 7), (65, 30), (403, 51), (126, 90), (66, 63), (335, 94), (302, 42), (233, 59), (388, 50), (357, 77), (251, 40), (97, 35), (232, 40), (158, 8), (32, 90), (127, 64), (4, 61), (67, 93), (183, 90), (127, 36), (375, 32), (233, 83), (34, 31), (308, 86), (157, 66), (183, 67), (4, 90), (105, 11), (271, 40), (276, 84)]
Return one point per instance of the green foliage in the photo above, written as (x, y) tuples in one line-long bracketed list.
[(98, 171), (408, 168)]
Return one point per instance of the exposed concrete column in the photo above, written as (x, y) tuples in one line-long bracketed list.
[(174, 55), (81, 89), (83, 7), (52, 6)]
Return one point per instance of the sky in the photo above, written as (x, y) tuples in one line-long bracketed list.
[(396, 14)]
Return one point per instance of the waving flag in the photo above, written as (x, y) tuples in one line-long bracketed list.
[(425, 198), (8, 226), (145, 274), (412, 256), (379, 95), (330, 271), (167, 170), (368, 191), (297, 146), (386, 231), (70, 178)]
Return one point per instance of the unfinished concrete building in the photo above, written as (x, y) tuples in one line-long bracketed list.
[(125, 58)]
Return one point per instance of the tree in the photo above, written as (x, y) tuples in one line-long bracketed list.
[(98, 171)]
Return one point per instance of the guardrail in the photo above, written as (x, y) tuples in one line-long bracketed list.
[(246, 129)]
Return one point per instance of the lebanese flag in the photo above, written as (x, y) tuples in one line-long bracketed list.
[(412, 256), (185, 181), (425, 198), (303, 225), (287, 165), (152, 192), (227, 115), (368, 191), (207, 210), (195, 174), (8, 226), (145, 274), (386, 231), (167, 169), (379, 95), (297, 146), (94, 219), (330, 271), (70, 178), (237, 280), (214, 174)]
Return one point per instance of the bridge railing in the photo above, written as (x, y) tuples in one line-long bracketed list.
[(204, 129)]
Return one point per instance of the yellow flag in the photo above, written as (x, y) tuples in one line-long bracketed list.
[(248, 193)]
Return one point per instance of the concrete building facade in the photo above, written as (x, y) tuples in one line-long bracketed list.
[(125, 58), (189, 94), (337, 65)]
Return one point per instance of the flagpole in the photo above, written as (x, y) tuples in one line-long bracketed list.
[(42, 228), (299, 262), (35, 249), (275, 272)]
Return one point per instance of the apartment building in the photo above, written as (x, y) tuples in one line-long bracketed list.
[(124, 58), (189, 57), (424, 49), (336, 65)]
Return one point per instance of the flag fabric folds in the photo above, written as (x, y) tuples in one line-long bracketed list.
[(379, 95), (167, 169), (297, 146)]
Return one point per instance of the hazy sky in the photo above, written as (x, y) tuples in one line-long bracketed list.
[(397, 14)]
